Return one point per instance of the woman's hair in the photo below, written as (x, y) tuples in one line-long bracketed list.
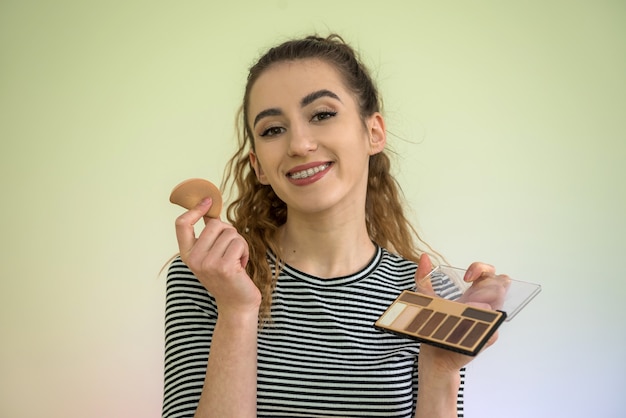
[(257, 212)]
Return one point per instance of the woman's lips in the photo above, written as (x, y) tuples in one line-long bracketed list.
[(304, 173)]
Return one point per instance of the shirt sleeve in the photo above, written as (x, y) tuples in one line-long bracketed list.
[(190, 317)]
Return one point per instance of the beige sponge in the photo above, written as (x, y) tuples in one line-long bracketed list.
[(191, 192)]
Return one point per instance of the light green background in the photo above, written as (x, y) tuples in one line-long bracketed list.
[(509, 125)]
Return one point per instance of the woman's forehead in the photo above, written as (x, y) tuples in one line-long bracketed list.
[(293, 80)]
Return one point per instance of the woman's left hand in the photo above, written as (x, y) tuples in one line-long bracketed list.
[(487, 291)]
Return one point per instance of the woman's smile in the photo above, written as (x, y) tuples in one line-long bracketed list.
[(308, 172)]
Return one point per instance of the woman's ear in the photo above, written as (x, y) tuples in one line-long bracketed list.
[(377, 133), (258, 170)]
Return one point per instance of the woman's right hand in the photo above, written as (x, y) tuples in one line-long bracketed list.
[(218, 258)]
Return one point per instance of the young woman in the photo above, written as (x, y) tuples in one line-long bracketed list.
[(272, 314)]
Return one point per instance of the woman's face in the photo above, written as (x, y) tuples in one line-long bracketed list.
[(311, 144)]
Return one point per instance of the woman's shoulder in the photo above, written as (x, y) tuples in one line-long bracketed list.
[(393, 270), (182, 283), (178, 271), (397, 262), (405, 270)]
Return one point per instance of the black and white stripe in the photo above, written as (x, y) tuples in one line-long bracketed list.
[(319, 357)]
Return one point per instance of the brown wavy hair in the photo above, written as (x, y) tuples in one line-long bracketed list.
[(257, 212)]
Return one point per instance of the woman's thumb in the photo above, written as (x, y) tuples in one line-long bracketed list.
[(422, 280)]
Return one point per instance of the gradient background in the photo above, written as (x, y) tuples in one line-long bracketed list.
[(509, 123)]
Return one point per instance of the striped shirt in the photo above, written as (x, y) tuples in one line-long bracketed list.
[(319, 357)]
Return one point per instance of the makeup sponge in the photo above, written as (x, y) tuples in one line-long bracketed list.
[(191, 192)]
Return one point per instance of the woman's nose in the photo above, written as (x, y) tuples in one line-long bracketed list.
[(301, 141)]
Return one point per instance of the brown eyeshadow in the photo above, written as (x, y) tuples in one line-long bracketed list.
[(446, 327), (460, 331), (474, 335), (432, 324), (419, 320), (415, 299), (480, 315)]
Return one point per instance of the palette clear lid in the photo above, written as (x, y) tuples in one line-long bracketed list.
[(518, 294)]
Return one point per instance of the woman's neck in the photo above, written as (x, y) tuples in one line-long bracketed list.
[(326, 246)]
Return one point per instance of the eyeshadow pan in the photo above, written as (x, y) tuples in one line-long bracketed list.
[(443, 323), (459, 331), (392, 313), (415, 298), (406, 316), (432, 324), (419, 320), (480, 315), (474, 334), (447, 326)]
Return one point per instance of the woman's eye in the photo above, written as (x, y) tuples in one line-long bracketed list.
[(274, 130), (323, 115)]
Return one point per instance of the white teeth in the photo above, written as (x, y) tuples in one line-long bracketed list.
[(309, 172)]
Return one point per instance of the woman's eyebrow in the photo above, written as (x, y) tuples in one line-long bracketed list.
[(306, 100), (311, 97), (274, 111)]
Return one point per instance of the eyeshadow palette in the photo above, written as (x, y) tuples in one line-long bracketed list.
[(440, 322), (449, 324)]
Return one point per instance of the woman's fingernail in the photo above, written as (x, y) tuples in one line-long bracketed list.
[(206, 201)]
